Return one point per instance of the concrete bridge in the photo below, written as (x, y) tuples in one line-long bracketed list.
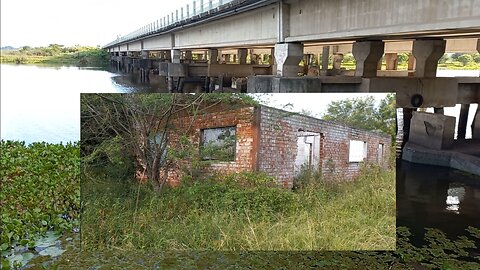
[(271, 37), (285, 46)]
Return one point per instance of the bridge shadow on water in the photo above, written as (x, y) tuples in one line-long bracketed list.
[(436, 197)]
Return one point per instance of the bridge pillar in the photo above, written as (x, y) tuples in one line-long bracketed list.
[(337, 63), (188, 56), (462, 121), (427, 53), (212, 56), (476, 125), (175, 56), (287, 58), (367, 54), (391, 60), (242, 56), (325, 57)]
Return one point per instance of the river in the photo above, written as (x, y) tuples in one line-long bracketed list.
[(42, 104)]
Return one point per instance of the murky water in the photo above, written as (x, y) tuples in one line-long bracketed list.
[(436, 197)]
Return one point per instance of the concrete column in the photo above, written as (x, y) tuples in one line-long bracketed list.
[(407, 120), (188, 56), (391, 60), (427, 53), (325, 57), (212, 56), (168, 56), (287, 58), (227, 58), (367, 54), (306, 61), (476, 125), (242, 56), (462, 121), (271, 57), (176, 54), (337, 63), (145, 54)]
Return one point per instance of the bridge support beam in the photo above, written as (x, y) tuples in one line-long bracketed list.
[(367, 55), (427, 53), (287, 58)]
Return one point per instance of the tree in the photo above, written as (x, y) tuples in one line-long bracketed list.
[(465, 59), (362, 113), (476, 58), (138, 125)]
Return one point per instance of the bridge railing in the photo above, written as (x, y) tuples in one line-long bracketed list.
[(195, 8)]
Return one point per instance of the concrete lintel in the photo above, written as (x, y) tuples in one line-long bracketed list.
[(427, 53), (239, 70), (367, 55)]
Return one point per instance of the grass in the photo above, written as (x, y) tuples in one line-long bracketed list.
[(228, 216)]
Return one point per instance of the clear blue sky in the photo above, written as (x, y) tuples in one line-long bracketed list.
[(86, 22)]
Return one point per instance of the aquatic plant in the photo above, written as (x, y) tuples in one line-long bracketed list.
[(40, 190)]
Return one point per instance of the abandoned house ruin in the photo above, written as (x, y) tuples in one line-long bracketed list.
[(277, 142)]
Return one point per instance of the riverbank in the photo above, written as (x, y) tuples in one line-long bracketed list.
[(84, 56)]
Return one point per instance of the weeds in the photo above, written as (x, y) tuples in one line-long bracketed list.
[(237, 215)]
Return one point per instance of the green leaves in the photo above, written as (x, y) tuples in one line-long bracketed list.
[(362, 113), (39, 182)]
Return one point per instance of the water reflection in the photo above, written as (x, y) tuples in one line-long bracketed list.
[(436, 197), (42, 103)]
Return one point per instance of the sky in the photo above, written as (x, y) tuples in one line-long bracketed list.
[(87, 22), (314, 103)]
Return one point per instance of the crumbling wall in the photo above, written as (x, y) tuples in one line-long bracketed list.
[(278, 145), (245, 121)]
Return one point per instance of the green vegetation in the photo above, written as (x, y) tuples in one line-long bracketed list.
[(39, 190), (450, 61), (56, 54), (231, 213), (363, 113)]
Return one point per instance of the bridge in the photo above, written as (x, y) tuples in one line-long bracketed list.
[(286, 46)]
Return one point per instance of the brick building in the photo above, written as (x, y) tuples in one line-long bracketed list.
[(280, 143)]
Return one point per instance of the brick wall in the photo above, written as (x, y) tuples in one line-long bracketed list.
[(266, 140), (278, 144), (244, 119)]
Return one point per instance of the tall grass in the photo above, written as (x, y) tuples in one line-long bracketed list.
[(229, 216)]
